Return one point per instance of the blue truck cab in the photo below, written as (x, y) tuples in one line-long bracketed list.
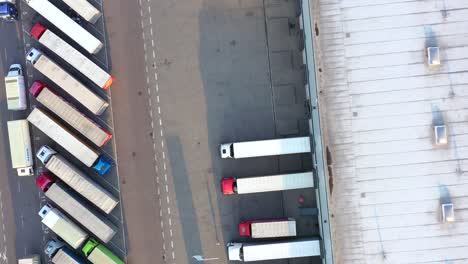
[(8, 11), (102, 165)]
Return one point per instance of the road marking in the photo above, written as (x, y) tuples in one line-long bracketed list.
[(153, 67)]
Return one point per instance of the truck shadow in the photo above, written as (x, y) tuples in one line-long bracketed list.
[(184, 196)]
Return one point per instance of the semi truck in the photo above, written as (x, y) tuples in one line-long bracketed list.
[(63, 109), (8, 11), (96, 224), (99, 254), (67, 82), (76, 179), (274, 250), (34, 259), (60, 254), (62, 226), (78, 34), (262, 148), (280, 182), (72, 56), (15, 88), (84, 9), (268, 228), (69, 141), (20, 147)]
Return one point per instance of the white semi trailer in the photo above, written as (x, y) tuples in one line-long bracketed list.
[(95, 223), (67, 82), (84, 9), (72, 56), (68, 113), (63, 226), (281, 182), (268, 228), (274, 250), (20, 147), (69, 141), (260, 148), (80, 35), (76, 179)]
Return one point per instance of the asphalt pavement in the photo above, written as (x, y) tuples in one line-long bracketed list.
[(216, 72), (189, 76), (20, 197)]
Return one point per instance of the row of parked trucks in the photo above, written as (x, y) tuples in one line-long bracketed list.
[(78, 206), (260, 230)]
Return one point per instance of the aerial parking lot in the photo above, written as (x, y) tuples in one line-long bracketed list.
[(231, 72), (27, 198)]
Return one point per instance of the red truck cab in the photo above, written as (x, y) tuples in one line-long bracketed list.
[(244, 228), (37, 30), (44, 181), (229, 186), (36, 88)]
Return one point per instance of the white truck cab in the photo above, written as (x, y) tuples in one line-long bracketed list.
[(15, 88), (44, 154), (33, 55), (15, 70), (235, 251)]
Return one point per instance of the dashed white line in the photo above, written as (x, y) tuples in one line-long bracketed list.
[(147, 71)]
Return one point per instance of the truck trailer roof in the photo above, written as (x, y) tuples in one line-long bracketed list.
[(68, 113), (84, 9), (271, 183), (281, 250), (95, 223), (81, 36), (269, 147), (20, 146), (272, 228), (63, 226), (72, 56), (81, 183), (57, 132)]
